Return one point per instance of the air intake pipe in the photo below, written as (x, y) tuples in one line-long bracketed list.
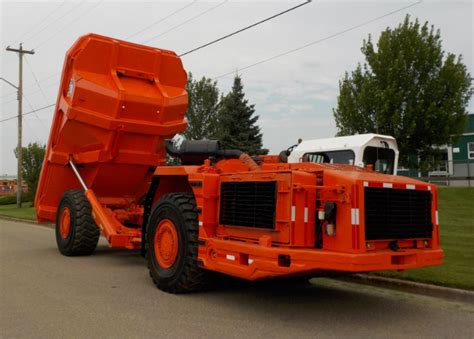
[(194, 152)]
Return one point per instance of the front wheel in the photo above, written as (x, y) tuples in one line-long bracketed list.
[(76, 231), (172, 242)]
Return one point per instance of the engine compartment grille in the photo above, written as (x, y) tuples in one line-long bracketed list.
[(248, 204), (397, 214)]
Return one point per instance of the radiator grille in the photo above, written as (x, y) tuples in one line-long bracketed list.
[(249, 204), (397, 214)]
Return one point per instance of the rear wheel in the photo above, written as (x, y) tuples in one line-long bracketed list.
[(76, 231), (172, 242)]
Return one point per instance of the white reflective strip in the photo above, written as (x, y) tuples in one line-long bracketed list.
[(429, 188), (354, 216), (200, 223), (293, 213), (250, 261), (411, 187), (230, 257), (306, 214), (321, 215), (437, 218), (387, 185), (366, 184)]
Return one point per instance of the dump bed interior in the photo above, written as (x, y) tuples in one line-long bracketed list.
[(116, 105)]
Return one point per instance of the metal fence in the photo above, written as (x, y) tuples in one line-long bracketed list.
[(447, 173)]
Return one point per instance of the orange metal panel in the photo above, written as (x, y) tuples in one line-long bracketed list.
[(263, 262), (117, 102)]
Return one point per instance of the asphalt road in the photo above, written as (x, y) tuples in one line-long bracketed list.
[(109, 294)]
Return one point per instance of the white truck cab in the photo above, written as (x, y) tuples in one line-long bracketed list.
[(379, 151)]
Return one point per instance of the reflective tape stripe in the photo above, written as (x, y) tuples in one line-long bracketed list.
[(355, 216), (437, 218), (230, 257), (387, 185), (293, 213), (411, 187), (366, 184), (306, 214), (200, 223)]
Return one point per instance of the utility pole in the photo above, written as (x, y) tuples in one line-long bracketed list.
[(20, 52)]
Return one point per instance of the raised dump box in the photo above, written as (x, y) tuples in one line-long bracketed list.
[(117, 103)]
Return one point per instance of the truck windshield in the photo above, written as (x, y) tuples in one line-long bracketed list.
[(332, 157), (382, 159)]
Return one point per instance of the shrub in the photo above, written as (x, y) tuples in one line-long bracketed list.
[(11, 199)]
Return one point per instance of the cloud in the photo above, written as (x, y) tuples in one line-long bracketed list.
[(294, 95)]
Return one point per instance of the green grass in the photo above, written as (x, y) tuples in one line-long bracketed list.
[(26, 212), (456, 213), (11, 199), (457, 239)]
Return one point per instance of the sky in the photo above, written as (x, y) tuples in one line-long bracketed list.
[(293, 94)]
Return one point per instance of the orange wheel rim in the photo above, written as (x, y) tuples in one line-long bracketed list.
[(65, 223), (166, 243)]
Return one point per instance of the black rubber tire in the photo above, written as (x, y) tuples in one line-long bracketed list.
[(84, 233), (184, 275)]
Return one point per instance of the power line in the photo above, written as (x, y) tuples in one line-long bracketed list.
[(161, 20), (68, 24), (27, 113), (34, 112), (195, 49), (169, 30), (320, 40), (33, 92), (56, 20), (245, 28), (31, 84), (27, 123), (36, 79), (186, 21), (31, 129), (39, 22)]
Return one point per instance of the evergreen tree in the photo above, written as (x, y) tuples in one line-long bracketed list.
[(407, 88), (237, 122), (203, 101)]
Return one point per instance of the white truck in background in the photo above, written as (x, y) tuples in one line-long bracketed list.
[(378, 151)]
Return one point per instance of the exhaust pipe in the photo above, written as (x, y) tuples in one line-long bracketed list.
[(194, 152)]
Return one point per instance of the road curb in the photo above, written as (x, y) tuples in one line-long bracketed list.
[(412, 287), (4, 217), (33, 222)]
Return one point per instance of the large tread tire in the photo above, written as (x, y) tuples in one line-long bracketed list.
[(184, 275), (83, 234)]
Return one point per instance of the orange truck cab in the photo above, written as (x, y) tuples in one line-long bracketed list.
[(222, 210)]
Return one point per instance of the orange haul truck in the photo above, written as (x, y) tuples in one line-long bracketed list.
[(222, 210)]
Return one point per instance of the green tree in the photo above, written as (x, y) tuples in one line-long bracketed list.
[(408, 88), (32, 159), (238, 127), (203, 101)]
